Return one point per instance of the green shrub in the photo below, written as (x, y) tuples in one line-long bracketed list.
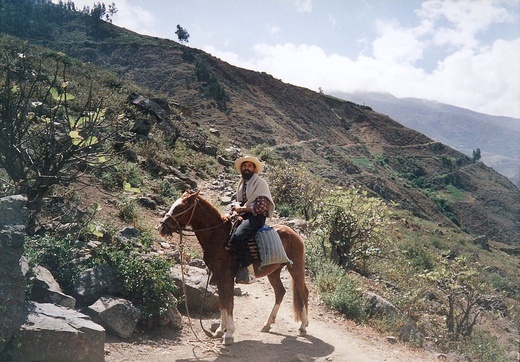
[(115, 177), (336, 288), (294, 185), (347, 300), (418, 258), (353, 228), (128, 211), (58, 255), (484, 348), (146, 280)]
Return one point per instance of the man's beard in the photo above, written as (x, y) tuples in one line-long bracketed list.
[(246, 175)]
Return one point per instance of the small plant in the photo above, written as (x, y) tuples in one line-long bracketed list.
[(128, 210), (336, 288), (484, 348)]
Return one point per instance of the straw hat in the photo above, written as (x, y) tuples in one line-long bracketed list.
[(259, 167)]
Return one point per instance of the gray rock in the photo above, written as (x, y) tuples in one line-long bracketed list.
[(195, 280), (54, 333), (380, 306), (116, 315), (13, 219), (45, 289), (93, 283), (13, 211)]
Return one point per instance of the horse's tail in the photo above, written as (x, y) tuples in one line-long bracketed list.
[(300, 299)]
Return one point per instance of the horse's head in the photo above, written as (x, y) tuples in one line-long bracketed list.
[(180, 214)]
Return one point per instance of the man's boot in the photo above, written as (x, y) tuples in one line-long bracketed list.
[(245, 275)]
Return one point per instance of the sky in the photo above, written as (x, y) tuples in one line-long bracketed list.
[(465, 53)]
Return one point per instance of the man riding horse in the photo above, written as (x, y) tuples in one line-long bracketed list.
[(255, 204)]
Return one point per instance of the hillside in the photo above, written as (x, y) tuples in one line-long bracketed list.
[(344, 142), (181, 116), (464, 130)]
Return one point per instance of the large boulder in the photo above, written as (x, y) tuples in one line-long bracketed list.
[(13, 220), (95, 282), (51, 332), (117, 315), (195, 280), (45, 289)]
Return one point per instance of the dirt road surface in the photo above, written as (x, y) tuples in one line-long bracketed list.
[(330, 337)]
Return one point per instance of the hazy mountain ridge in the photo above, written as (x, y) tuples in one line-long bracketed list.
[(497, 137)]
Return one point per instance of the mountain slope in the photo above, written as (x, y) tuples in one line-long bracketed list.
[(462, 129), (344, 142)]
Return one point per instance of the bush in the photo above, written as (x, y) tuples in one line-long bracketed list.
[(128, 211), (352, 228), (336, 288), (296, 188), (484, 348), (347, 300), (115, 177), (146, 280), (58, 255)]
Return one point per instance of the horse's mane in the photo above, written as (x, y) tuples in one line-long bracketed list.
[(208, 205)]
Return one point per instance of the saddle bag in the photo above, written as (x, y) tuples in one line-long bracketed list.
[(270, 247)]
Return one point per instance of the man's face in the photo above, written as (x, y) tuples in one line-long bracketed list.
[(247, 170)]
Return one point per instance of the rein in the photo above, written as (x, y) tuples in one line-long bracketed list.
[(180, 230)]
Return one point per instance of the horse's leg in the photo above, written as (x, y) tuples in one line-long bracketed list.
[(226, 328), (279, 292)]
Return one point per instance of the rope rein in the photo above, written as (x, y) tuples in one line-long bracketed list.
[(208, 333), (180, 230)]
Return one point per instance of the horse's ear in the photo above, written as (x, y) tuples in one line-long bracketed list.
[(189, 194)]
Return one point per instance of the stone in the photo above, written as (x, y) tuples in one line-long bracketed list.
[(380, 306), (54, 333), (197, 297), (45, 289), (117, 315), (13, 219), (93, 283)]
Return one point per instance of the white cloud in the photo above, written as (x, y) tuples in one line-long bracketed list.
[(462, 20), (396, 43), (485, 81), (303, 6), (273, 30)]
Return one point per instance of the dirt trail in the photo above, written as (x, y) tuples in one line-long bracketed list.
[(330, 337)]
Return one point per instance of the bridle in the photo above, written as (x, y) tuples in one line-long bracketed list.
[(180, 229)]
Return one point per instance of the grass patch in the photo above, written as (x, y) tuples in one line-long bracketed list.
[(363, 162)]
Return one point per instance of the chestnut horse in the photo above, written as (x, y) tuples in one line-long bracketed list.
[(212, 230)]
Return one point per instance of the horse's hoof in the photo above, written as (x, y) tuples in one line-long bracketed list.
[(226, 341), (302, 332), (265, 329)]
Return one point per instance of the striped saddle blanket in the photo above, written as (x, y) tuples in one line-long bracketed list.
[(268, 247)]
